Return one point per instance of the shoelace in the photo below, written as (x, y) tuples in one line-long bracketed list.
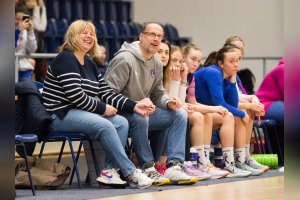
[(154, 175)]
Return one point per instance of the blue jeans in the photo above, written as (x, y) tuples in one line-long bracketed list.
[(276, 111), (111, 131), (174, 121)]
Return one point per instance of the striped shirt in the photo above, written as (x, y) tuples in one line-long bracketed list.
[(68, 84)]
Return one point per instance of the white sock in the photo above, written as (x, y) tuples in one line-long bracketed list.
[(228, 156), (201, 156), (247, 151), (239, 154), (207, 153)]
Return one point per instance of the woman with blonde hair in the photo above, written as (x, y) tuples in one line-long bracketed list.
[(80, 101)]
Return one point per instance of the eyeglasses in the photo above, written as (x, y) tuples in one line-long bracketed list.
[(153, 35)]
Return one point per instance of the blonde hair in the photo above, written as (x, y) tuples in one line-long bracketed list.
[(72, 36), (187, 47), (166, 71), (234, 38)]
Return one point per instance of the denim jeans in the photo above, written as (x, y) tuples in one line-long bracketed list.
[(174, 121), (276, 111), (111, 131)]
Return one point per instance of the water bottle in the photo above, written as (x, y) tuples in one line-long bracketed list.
[(194, 156), (219, 161)]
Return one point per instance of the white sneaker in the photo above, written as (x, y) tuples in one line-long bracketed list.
[(235, 172), (139, 180), (244, 166), (215, 172), (254, 164), (158, 178), (178, 176), (111, 178), (190, 170)]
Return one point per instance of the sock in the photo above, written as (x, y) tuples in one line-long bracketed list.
[(207, 153), (228, 156), (247, 151), (240, 155), (201, 156)]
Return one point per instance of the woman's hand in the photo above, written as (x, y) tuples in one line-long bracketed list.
[(220, 110), (189, 108), (110, 110), (183, 72), (175, 73), (174, 104)]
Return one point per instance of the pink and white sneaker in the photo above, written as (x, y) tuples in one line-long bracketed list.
[(190, 170)]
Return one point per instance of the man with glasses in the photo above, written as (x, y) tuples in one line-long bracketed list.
[(137, 73)]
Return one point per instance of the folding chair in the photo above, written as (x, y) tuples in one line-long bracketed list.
[(19, 141)]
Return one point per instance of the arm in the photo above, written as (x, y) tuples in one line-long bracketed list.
[(215, 85), (39, 18)]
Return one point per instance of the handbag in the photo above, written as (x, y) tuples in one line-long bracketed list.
[(45, 173)]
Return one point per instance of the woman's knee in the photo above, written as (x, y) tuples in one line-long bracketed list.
[(197, 117)]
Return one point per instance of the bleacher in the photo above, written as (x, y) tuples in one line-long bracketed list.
[(112, 19)]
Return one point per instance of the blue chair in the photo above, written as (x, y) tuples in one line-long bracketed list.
[(19, 141), (265, 123), (70, 137)]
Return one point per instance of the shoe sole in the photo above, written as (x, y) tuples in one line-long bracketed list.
[(134, 186), (185, 182), (164, 182), (237, 176), (112, 185), (219, 176)]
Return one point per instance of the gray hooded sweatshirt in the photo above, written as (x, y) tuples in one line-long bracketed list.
[(135, 77)]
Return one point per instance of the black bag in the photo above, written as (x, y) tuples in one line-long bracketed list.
[(45, 174)]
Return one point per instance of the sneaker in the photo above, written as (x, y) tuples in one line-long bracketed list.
[(235, 172), (111, 178), (190, 170), (177, 176), (244, 166), (160, 168), (255, 165), (158, 178), (215, 172), (139, 180)]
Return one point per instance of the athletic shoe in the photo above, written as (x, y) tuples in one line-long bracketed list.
[(111, 178), (255, 165), (177, 176), (139, 180), (244, 166), (215, 172), (160, 168), (158, 178), (190, 170), (235, 172)]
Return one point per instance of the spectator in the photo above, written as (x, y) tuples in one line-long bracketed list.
[(137, 73), (216, 85), (25, 42), (271, 93), (248, 102), (37, 10), (100, 59), (213, 116), (80, 101)]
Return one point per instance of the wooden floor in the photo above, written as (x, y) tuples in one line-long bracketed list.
[(265, 188)]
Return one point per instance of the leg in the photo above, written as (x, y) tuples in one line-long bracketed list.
[(99, 128), (138, 131), (276, 111), (176, 122)]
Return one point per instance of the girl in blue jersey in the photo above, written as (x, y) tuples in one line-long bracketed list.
[(216, 85)]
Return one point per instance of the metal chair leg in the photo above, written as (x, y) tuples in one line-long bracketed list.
[(28, 170)]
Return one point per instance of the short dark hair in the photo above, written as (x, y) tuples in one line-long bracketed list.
[(21, 9), (144, 26)]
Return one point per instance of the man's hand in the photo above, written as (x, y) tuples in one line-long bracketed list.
[(110, 110), (174, 104), (144, 108)]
